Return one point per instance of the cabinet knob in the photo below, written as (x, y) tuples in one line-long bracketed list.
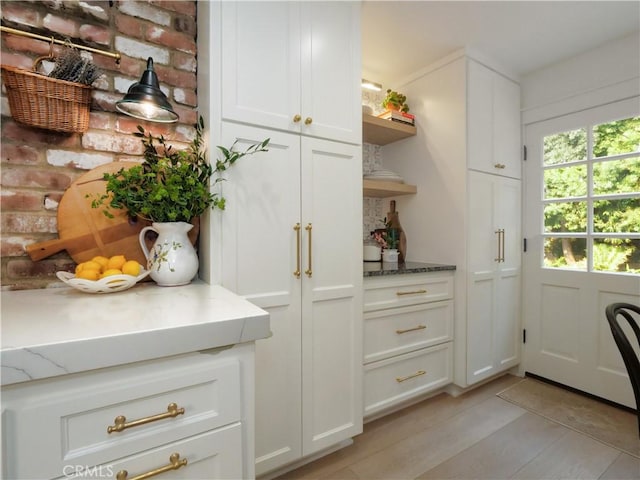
[(308, 120), (297, 118)]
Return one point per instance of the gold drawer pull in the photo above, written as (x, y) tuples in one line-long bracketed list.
[(414, 292), (121, 421), (408, 377), (419, 327), (175, 464)]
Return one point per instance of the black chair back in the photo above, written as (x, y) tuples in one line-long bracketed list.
[(629, 355)]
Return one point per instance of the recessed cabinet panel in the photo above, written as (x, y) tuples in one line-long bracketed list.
[(261, 87), (493, 122), (407, 329), (403, 290), (211, 455), (493, 295), (392, 381), (293, 66)]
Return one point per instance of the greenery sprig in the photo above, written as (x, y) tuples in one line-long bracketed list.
[(170, 185)]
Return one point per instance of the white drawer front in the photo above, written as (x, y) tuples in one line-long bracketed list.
[(65, 421), (395, 380), (403, 290), (216, 454), (389, 333)]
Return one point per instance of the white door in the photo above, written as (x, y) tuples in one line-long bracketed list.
[(493, 122), (261, 63), (259, 245), (583, 244), (293, 66), (331, 71), (332, 293), (493, 318)]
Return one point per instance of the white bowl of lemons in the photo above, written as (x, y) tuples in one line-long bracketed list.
[(104, 275)]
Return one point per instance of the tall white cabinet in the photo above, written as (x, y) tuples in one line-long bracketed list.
[(465, 160), (291, 233)]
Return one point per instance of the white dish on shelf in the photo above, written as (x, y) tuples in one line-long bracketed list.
[(385, 179), (385, 175), (110, 284)]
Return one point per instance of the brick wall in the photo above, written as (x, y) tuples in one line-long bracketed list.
[(38, 165)]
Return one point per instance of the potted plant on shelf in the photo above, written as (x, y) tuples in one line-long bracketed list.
[(170, 188), (388, 238), (395, 101)]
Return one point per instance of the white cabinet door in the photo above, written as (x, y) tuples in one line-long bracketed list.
[(331, 71), (259, 245), (332, 293), (293, 66), (493, 122), (309, 373), (493, 284), (260, 65)]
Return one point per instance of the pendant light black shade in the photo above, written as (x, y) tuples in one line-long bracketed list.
[(146, 101)]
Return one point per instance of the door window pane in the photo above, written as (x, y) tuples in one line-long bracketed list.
[(616, 176), (614, 138), (565, 147), (565, 217), (617, 216), (565, 253), (616, 255), (565, 182)]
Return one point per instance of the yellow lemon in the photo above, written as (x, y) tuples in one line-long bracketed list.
[(111, 271), (103, 261), (117, 261), (131, 267), (88, 274), (90, 265)]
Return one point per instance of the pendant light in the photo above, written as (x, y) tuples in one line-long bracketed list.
[(146, 101)]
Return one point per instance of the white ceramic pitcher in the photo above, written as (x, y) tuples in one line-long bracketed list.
[(172, 260)]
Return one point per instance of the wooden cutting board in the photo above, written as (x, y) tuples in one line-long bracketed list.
[(85, 232)]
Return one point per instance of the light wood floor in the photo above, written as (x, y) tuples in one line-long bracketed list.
[(474, 436)]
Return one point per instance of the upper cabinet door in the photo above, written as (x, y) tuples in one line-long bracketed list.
[(493, 122), (293, 66), (331, 71), (260, 65)]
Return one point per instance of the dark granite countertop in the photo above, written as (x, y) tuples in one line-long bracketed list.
[(377, 269)]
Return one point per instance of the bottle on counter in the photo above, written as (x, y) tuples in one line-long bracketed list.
[(393, 222)]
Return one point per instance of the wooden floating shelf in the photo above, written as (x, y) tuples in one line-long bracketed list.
[(382, 189), (380, 131)]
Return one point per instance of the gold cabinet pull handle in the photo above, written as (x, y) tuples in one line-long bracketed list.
[(497, 232), (308, 272), (408, 377), (297, 118), (419, 327), (174, 464), (413, 292), (308, 120), (296, 228), (120, 422), (502, 241), (500, 165)]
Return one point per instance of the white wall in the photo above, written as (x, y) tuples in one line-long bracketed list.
[(608, 73)]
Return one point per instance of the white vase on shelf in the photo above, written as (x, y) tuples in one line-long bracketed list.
[(390, 255)]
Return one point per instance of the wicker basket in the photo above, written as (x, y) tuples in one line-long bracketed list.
[(44, 102)]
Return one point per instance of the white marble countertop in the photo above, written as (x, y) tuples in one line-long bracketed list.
[(58, 331)]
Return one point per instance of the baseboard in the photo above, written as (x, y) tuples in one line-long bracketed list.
[(303, 461)]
